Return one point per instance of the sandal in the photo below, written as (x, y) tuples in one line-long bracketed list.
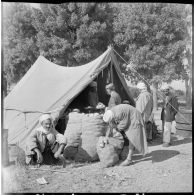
[(126, 163)]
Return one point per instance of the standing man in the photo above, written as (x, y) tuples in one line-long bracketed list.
[(92, 94), (115, 98), (127, 119), (168, 113), (144, 104)]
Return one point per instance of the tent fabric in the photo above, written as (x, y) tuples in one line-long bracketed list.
[(50, 88)]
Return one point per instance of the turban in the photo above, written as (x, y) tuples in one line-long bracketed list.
[(165, 87), (110, 86), (108, 116), (141, 86), (126, 102), (45, 117)]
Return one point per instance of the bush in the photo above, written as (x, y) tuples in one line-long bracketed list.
[(179, 93)]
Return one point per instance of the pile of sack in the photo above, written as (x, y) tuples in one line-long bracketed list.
[(82, 134), (86, 141)]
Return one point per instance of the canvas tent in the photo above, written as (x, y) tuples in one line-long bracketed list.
[(48, 87)]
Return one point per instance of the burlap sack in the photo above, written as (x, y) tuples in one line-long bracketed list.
[(73, 129), (109, 153), (92, 128)]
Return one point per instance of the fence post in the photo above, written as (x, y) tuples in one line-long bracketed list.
[(5, 153)]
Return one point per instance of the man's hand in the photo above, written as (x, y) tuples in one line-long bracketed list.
[(59, 151), (39, 156), (105, 140), (57, 154)]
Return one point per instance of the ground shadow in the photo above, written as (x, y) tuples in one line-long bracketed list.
[(185, 140), (162, 155), (174, 140), (157, 140), (155, 156)]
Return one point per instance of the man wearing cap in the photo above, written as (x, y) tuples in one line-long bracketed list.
[(168, 113), (127, 119), (44, 139), (115, 98), (144, 104)]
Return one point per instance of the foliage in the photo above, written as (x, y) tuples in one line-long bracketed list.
[(68, 34), (19, 41), (179, 93), (72, 34), (152, 39), (134, 92)]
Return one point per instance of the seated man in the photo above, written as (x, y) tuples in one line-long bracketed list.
[(44, 139)]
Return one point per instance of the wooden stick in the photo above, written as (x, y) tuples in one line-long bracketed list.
[(48, 170)]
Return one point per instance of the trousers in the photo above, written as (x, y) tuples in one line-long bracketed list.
[(167, 132)]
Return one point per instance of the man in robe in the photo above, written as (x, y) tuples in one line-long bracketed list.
[(168, 114), (127, 119), (144, 104), (115, 98)]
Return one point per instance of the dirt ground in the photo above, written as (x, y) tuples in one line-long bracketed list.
[(161, 170)]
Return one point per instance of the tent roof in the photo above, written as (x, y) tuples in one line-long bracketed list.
[(48, 87)]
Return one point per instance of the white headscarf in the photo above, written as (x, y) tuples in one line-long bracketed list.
[(45, 117), (141, 86), (108, 116)]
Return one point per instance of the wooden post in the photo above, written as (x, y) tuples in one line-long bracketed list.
[(5, 154)]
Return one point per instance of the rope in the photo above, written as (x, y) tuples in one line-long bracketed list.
[(149, 85)]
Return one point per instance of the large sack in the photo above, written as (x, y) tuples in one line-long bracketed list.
[(109, 153), (73, 129), (70, 152), (93, 127), (73, 134)]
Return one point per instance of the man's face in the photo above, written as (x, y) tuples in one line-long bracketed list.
[(108, 91), (47, 124), (166, 92)]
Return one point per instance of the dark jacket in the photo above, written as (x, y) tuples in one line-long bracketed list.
[(168, 112)]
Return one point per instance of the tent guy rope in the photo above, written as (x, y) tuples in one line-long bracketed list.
[(161, 93)]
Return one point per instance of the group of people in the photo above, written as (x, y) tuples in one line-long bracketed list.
[(121, 117)]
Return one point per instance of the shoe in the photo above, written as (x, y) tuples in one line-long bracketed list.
[(126, 163), (166, 145)]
